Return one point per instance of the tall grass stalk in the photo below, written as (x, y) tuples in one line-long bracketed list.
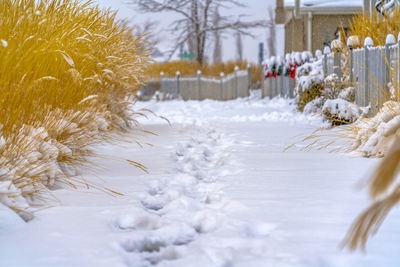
[(376, 26)]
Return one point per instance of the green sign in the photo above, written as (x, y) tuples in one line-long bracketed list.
[(187, 56)]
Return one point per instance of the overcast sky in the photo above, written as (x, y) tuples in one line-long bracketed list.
[(256, 9)]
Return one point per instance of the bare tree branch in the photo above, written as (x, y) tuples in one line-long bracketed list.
[(196, 25)]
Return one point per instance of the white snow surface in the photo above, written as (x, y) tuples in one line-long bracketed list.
[(221, 192)]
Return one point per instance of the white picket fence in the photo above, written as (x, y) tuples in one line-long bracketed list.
[(280, 86), (376, 73), (200, 87), (373, 71), (280, 81)]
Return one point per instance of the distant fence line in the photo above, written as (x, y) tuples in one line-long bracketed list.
[(200, 87), (374, 72), (278, 86)]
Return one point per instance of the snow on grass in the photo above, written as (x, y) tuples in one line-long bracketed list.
[(342, 110), (374, 136)]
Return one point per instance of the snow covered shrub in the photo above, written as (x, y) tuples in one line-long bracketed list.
[(67, 70), (337, 102), (328, 96), (333, 86), (308, 95), (348, 94), (374, 136), (339, 111), (309, 81)]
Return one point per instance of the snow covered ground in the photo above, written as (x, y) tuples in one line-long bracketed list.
[(221, 192)]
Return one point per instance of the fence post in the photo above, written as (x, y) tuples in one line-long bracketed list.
[(221, 95), (236, 83), (199, 85), (178, 89), (390, 41), (352, 42), (337, 57), (327, 51), (367, 44), (263, 93), (162, 91), (249, 79)]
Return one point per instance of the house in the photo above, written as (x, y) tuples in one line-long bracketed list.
[(310, 24)]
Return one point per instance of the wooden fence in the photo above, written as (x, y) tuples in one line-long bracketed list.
[(279, 74), (278, 86), (200, 87), (374, 72)]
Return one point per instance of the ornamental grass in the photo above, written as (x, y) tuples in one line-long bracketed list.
[(67, 71)]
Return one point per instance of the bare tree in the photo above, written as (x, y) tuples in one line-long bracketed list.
[(196, 20), (150, 35), (239, 46), (217, 39), (271, 33)]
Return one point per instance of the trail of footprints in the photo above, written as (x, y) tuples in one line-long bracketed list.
[(180, 207)]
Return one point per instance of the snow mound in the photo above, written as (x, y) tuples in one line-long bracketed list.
[(308, 74), (341, 110), (9, 219), (374, 136), (41, 160)]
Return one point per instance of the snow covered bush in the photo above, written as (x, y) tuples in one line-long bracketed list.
[(315, 87), (338, 106), (374, 136), (310, 95), (309, 83), (330, 95), (340, 111), (67, 71)]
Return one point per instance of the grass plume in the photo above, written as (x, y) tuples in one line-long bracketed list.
[(67, 70)]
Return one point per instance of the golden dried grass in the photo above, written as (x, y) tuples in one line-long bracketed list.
[(190, 68), (376, 26), (67, 69), (60, 52)]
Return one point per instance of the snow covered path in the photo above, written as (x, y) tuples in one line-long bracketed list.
[(220, 193)]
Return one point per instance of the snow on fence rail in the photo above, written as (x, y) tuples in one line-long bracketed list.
[(199, 87), (374, 72)]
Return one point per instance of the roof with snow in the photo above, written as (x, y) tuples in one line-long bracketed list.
[(325, 3), (327, 6)]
